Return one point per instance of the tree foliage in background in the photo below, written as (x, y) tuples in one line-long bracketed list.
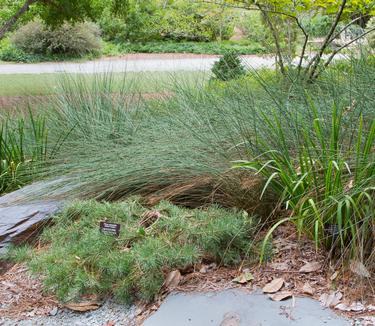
[(168, 20), (278, 14), (54, 12), (371, 37)]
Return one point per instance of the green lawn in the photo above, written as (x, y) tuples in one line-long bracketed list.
[(45, 84)]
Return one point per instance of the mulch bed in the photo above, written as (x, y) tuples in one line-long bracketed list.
[(21, 295)]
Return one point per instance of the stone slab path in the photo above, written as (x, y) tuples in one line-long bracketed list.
[(241, 308)]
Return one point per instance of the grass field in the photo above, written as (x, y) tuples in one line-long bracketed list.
[(46, 84)]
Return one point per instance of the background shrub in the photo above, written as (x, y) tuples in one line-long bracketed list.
[(318, 25), (228, 67), (371, 36), (75, 40), (251, 23), (243, 47)]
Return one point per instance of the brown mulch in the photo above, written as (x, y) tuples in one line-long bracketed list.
[(5, 266), (289, 255), (21, 295)]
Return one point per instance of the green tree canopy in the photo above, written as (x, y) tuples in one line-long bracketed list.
[(54, 12)]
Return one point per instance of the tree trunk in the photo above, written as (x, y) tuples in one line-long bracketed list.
[(314, 63), (10, 22), (275, 36)]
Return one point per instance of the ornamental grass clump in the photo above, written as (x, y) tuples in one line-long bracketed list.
[(321, 163), (77, 259)]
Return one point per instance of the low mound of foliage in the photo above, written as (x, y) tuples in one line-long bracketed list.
[(228, 67), (36, 42), (78, 259)]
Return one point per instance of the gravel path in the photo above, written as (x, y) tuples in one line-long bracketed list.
[(167, 62), (138, 63), (110, 312)]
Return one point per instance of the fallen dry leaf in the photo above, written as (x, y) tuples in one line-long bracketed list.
[(334, 275), (358, 268), (342, 307), (355, 306), (331, 299), (172, 280), (310, 267), (244, 278), (82, 306), (279, 296), (274, 286), (207, 268), (308, 289), (279, 266)]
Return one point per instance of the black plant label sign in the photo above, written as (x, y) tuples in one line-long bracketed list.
[(110, 228)]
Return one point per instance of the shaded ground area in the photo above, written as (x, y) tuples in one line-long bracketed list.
[(237, 308)]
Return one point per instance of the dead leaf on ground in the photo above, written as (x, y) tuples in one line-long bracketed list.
[(207, 268), (342, 307), (334, 275), (308, 289), (172, 280), (82, 306), (279, 266), (244, 278), (330, 299), (355, 306), (310, 267), (274, 286), (279, 296), (358, 268)]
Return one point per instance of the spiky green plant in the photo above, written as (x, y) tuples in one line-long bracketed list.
[(321, 163), (326, 182), (23, 142)]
